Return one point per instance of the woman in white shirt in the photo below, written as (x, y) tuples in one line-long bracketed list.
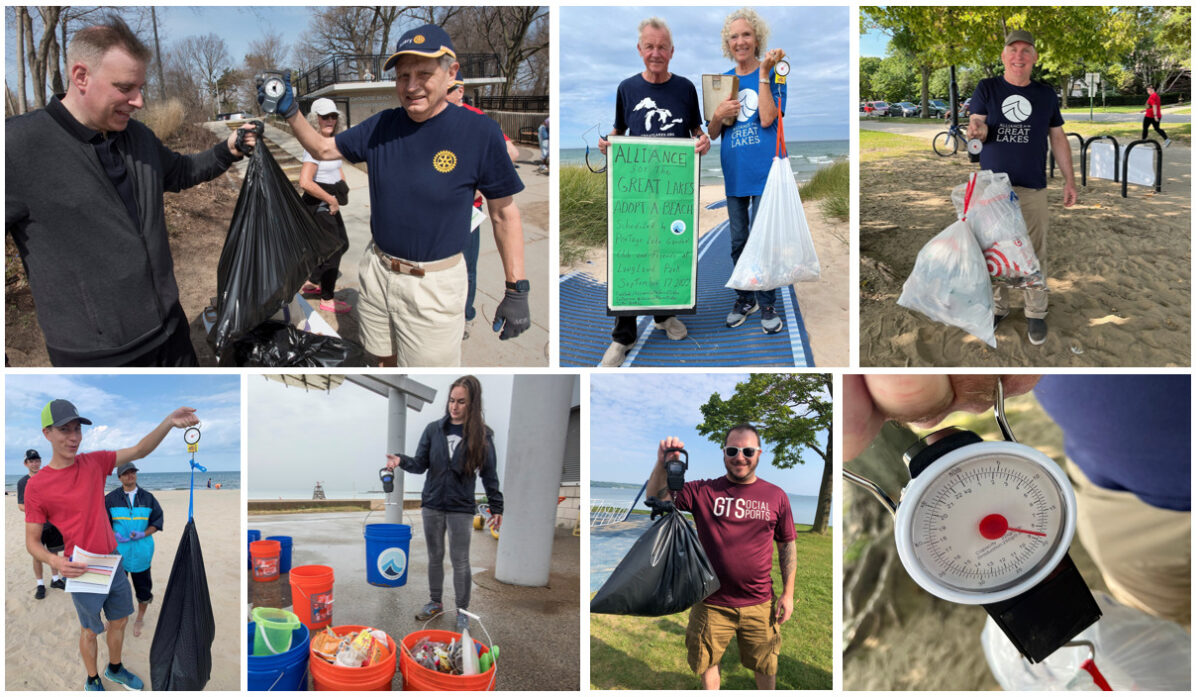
[(325, 191)]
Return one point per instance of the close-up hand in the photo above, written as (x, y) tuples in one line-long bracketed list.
[(783, 609), (393, 461), (727, 108), (494, 522), (120, 537), (666, 444), (71, 569), (771, 59), (183, 417)]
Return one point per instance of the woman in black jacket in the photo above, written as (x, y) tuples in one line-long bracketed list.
[(452, 452)]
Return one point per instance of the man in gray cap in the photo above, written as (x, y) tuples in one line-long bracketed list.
[(69, 492), (51, 537), (426, 161), (1013, 116), (135, 515)]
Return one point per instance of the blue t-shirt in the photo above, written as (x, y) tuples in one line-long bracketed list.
[(664, 110), (747, 150), (423, 177), (1127, 432), (1019, 120)]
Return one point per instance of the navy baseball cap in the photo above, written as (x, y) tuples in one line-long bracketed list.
[(59, 412), (32, 454), (430, 41)]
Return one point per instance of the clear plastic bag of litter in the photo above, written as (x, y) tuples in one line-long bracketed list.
[(780, 250), (949, 283), (1132, 651), (994, 216)]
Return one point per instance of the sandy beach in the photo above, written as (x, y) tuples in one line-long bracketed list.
[(42, 636), (1119, 271), (824, 304)]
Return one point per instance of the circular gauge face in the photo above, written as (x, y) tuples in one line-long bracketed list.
[(974, 146), (273, 87), (985, 522), (782, 68), (191, 436)]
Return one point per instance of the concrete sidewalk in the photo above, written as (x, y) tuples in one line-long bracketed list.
[(483, 348), (536, 628)]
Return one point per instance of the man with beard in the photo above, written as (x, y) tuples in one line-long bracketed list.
[(737, 517)]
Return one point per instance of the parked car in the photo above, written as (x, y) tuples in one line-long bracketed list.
[(904, 109), (938, 109), (877, 108)]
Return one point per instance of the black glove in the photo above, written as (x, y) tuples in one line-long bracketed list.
[(286, 106), (513, 314)]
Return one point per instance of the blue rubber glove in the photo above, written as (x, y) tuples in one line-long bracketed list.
[(286, 106), (120, 537), (136, 535), (512, 316)]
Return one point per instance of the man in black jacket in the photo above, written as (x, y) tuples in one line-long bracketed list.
[(84, 204)]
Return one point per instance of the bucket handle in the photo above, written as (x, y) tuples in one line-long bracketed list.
[(495, 661), (263, 632)]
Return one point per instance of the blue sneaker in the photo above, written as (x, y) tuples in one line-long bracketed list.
[(89, 686), (124, 678)]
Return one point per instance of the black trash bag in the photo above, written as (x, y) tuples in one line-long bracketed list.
[(272, 245), (275, 344), (665, 572), (181, 653)]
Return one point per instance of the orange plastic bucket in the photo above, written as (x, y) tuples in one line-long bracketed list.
[(264, 559), (418, 677), (312, 595), (376, 678)]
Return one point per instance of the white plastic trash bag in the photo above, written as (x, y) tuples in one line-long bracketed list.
[(780, 250), (949, 283), (994, 215), (1134, 651)]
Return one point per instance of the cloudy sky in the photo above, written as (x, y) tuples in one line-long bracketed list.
[(630, 414), (598, 49), (123, 409)]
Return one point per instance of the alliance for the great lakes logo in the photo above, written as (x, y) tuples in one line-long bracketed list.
[(1013, 129), (392, 563), (1016, 108)]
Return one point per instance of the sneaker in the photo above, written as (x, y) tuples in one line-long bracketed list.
[(771, 323), (467, 328), (998, 318), (89, 686), (741, 309), (40, 593), (60, 584), (1037, 331), (1167, 143), (430, 611), (460, 625), (124, 678), (675, 329), (614, 356)]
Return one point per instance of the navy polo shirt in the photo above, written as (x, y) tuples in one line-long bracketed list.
[(1019, 120), (423, 177)]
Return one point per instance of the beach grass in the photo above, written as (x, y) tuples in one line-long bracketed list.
[(831, 185), (583, 212), (649, 652), (880, 145)]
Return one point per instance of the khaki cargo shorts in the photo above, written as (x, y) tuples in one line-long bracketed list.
[(710, 627)]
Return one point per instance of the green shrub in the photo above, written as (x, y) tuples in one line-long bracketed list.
[(830, 185), (582, 212)]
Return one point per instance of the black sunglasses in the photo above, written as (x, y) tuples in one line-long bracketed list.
[(731, 451)]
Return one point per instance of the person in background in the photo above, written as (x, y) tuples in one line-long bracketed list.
[(1153, 116), (135, 516), (51, 537), (325, 192)]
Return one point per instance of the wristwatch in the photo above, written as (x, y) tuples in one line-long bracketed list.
[(521, 285)]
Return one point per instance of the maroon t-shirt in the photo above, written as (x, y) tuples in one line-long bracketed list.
[(73, 499), (737, 525)]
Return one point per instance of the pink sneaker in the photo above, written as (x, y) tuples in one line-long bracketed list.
[(335, 306)]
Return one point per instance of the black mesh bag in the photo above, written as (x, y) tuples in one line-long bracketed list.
[(181, 653)]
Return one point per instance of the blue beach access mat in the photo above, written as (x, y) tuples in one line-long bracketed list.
[(586, 331)]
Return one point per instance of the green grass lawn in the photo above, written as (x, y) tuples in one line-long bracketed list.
[(880, 145), (1179, 132), (1130, 109), (648, 653)]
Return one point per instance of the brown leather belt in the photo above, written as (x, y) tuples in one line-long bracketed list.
[(398, 265)]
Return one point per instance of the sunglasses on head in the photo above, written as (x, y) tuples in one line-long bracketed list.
[(731, 451)]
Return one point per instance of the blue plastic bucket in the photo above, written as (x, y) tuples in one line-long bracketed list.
[(285, 672), (387, 554), (251, 536), (285, 552)]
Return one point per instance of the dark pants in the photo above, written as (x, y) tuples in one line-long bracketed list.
[(1147, 122), (326, 274), (625, 331), (742, 211), (471, 256), (142, 585), (172, 348)]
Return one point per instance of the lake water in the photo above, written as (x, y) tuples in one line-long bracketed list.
[(159, 481), (804, 508)]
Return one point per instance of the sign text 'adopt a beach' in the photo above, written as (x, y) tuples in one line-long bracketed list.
[(653, 195)]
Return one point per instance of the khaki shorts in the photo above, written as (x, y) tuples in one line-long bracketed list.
[(420, 320), (710, 627)]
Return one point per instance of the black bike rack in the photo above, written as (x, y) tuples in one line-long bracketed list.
[(1157, 167), (1050, 153), (1088, 143)]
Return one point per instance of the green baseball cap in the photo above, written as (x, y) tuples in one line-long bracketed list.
[(59, 412), (1019, 35)]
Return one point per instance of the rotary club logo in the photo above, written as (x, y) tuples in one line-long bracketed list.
[(444, 161), (419, 39)]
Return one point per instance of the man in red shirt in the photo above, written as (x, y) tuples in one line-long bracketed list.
[(69, 493), (1153, 116), (738, 517)]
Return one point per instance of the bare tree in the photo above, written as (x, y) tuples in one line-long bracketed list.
[(514, 34), (39, 54), (210, 59), (22, 104)]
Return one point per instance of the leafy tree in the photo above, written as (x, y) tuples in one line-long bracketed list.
[(897, 78), (790, 411), (867, 67)]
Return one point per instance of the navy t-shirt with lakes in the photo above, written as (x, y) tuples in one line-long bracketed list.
[(663, 110), (423, 177), (1019, 120)]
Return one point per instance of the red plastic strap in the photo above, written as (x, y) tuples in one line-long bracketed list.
[(780, 143), (1090, 666), (970, 190)]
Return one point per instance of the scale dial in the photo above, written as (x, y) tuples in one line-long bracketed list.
[(273, 87), (782, 68), (191, 436), (985, 522)]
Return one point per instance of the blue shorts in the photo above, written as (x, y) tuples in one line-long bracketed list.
[(118, 604)]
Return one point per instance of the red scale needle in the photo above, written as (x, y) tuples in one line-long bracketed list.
[(994, 526)]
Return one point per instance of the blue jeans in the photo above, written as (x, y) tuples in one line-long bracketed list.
[(471, 255), (742, 210)]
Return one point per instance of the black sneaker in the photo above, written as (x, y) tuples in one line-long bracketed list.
[(60, 584), (771, 323), (998, 318), (741, 310), (40, 593), (1037, 331)]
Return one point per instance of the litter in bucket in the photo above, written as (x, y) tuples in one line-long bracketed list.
[(387, 554), (285, 552), (374, 677), (285, 672), (275, 627), (418, 677), (312, 595), (264, 556)]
